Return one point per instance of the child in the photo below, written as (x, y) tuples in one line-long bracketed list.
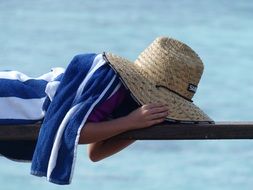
[(98, 134), (167, 71)]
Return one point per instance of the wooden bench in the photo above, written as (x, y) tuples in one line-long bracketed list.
[(165, 131), (17, 142)]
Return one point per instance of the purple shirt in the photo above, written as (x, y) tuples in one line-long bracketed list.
[(100, 113)]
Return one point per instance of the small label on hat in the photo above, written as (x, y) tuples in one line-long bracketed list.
[(192, 88)]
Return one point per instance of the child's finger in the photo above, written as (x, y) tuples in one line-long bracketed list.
[(159, 109), (156, 121), (153, 105), (160, 115)]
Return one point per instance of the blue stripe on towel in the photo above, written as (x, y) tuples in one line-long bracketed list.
[(25, 90), (76, 96)]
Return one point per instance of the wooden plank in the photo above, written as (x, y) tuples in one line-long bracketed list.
[(221, 130), (19, 132), (165, 131)]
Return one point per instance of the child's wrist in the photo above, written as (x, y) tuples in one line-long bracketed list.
[(127, 124)]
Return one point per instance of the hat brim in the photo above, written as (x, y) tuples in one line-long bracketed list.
[(145, 91)]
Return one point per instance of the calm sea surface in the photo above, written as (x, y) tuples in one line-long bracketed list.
[(38, 35)]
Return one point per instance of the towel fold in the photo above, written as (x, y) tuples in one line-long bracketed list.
[(86, 83)]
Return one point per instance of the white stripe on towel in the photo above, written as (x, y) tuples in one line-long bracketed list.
[(97, 62), (16, 75), (116, 88), (57, 141), (51, 89), (18, 108)]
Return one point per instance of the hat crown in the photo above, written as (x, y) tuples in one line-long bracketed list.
[(173, 65)]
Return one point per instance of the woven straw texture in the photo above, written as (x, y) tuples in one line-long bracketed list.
[(162, 73)]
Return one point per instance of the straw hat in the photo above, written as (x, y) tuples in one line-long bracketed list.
[(167, 71)]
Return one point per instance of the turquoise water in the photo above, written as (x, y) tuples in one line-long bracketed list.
[(38, 35)]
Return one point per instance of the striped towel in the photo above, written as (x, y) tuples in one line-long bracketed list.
[(86, 83), (22, 97)]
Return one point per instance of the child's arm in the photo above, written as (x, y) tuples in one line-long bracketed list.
[(100, 150), (96, 133), (144, 116)]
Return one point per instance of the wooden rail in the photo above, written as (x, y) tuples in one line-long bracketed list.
[(165, 131)]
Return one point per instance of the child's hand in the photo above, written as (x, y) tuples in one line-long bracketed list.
[(147, 115)]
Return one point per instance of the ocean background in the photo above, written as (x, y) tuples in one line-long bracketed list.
[(36, 35)]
